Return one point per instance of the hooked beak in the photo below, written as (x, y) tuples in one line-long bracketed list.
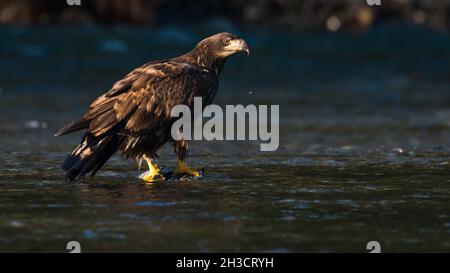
[(238, 45)]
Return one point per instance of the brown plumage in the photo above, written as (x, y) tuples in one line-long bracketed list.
[(133, 117)]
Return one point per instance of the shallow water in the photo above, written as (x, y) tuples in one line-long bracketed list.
[(364, 148)]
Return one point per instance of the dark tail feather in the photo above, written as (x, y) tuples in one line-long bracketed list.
[(75, 125), (90, 156)]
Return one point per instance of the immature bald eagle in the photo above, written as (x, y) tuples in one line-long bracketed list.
[(134, 117)]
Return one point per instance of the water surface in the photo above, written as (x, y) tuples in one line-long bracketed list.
[(364, 148)]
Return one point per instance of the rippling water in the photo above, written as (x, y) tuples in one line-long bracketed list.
[(364, 148)]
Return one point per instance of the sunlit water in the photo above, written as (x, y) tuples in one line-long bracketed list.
[(364, 148)]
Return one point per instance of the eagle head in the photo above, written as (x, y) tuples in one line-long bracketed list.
[(223, 45)]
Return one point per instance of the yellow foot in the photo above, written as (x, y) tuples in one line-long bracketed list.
[(183, 169), (149, 176), (153, 173)]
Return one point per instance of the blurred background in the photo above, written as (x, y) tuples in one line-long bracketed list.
[(364, 95), (333, 15)]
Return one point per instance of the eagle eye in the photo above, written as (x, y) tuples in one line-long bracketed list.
[(227, 41)]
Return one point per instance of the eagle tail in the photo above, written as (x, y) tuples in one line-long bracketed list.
[(75, 125), (90, 155)]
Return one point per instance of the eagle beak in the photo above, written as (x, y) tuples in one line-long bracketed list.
[(238, 45), (245, 47)]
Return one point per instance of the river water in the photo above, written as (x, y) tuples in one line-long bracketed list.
[(364, 145)]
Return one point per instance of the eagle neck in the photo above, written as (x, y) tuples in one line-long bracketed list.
[(205, 60)]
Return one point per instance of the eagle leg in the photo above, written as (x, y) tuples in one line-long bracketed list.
[(182, 168), (181, 150), (153, 173)]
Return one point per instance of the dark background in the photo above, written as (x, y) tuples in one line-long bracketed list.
[(364, 95), (354, 15)]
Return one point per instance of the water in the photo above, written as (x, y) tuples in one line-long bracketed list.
[(364, 148)]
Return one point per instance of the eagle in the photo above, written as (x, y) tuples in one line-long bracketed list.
[(134, 116)]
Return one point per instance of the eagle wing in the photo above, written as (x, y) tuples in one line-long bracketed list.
[(144, 98)]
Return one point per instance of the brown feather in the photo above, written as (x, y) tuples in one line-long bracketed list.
[(134, 115)]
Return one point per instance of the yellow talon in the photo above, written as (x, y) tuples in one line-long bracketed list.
[(153, 172), (184, 169)]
